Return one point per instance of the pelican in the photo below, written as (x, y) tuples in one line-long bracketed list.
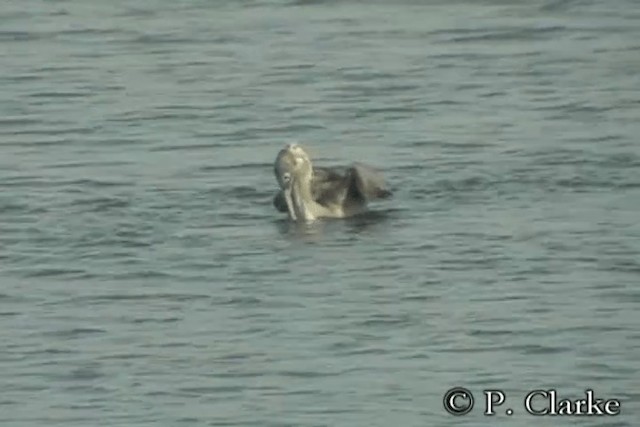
[(310, 192)]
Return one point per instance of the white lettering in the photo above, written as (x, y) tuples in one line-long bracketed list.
[(493, 398), (528, 404)]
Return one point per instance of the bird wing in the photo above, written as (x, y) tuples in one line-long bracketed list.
[(367, 183)]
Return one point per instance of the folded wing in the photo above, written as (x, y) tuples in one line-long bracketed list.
[(367, 183)]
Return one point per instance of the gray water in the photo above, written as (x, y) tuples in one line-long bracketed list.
[(146, 279)]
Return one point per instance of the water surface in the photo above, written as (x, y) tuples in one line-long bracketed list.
[(147, 280)]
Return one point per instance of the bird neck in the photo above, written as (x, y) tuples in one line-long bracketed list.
[(303, 202)]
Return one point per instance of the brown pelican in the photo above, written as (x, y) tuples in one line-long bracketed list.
[(309, 192)]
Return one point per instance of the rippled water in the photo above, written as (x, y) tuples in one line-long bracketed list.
[(147, 280)]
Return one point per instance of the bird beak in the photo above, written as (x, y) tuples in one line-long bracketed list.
[(289, 199)]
